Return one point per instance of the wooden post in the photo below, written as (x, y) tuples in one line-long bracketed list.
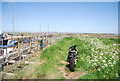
[(44, 41), (50, 39), (38, 44), (30, 44), (19, 52), (6, 56)]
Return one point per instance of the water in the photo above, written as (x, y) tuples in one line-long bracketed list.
[(110, 35)]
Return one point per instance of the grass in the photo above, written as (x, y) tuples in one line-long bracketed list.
[(90, 52)]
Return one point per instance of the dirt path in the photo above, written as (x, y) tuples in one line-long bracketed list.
[(73, 75), (70, 75)]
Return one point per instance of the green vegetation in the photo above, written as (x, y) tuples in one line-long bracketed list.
[(99, 53)]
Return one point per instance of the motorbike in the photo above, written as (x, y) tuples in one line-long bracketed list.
[(72, 58)]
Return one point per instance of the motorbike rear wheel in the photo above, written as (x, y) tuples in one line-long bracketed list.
[(72, 64)]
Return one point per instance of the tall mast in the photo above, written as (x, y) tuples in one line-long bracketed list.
[(48, 29), (12, 8), (13, 17), (40, 29), (1, 16)]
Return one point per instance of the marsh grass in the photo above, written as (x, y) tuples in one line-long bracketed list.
[(57, 52)]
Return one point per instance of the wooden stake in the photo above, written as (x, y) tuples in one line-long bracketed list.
[(19, 53), (30, 44)]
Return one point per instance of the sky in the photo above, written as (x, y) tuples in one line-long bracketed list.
[(79, 17), (61, 0)]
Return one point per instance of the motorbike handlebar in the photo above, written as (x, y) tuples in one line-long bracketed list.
[(73, 47)]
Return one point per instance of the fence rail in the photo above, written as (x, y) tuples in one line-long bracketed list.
[(23, 50)]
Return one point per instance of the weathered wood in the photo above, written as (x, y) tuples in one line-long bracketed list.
[(19, 52), (30, 45), (10, 74), (34, 48), (38, 44), (12, 61), (29, 62)]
